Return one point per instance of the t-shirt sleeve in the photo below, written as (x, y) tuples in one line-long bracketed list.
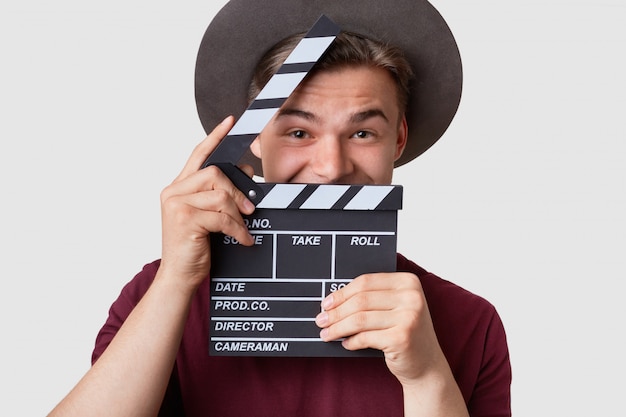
[(472, 336), (491, 396)]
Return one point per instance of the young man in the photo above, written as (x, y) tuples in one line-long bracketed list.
[(444, 349)]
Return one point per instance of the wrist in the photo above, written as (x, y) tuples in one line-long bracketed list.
[(177, 282), (434, 393)]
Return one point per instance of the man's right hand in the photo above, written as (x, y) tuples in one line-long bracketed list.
[(195, 204)]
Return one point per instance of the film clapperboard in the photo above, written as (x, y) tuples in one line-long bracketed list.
[(310, 239)]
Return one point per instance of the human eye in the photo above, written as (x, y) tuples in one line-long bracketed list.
[(363, 134), (298, 134)]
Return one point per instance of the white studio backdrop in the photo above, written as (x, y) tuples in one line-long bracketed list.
[(522, 201)]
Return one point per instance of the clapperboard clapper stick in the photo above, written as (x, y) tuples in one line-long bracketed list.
[(309, 239), (266, 104)]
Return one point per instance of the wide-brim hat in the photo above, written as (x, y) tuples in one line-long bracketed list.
[(243, 30)]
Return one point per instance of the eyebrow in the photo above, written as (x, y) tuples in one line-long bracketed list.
[(298, 113), (354, 118), (368, 114)]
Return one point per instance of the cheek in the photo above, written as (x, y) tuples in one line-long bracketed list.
[(280, 165), (377, 162), (379, 174)]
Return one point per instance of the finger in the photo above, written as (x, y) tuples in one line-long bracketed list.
[(358, 304), (204, 148), (371, 282), (248, 169), (221, 222), (208, 179), (376, 339), (210, 211), (363, 321), (383, 331)]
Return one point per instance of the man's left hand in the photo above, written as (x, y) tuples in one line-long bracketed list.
[(385, 311)]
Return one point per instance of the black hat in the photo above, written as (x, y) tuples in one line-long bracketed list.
[(244, 30)]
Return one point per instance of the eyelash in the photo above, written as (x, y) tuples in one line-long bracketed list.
[(301, 134), (367, 134), (294, 133)]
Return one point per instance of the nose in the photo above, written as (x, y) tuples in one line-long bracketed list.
[(331, 162)]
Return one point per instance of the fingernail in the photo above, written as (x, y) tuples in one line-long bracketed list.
[(324, 334), (327, 302), (322, 319), (248, 206)]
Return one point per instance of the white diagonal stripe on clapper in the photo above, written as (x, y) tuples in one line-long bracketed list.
[(252, 122), (281, 196), (309, 50), (281, 85), (325, 196), (368, 198)]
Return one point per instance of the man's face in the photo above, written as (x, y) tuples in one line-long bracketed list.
[(339, 127)]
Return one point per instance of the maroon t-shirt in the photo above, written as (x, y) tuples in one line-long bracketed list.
[(468, 327)]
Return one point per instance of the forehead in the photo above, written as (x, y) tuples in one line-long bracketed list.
[(349, 82)]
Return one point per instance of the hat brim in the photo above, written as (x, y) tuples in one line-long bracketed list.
[(243, 30)]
